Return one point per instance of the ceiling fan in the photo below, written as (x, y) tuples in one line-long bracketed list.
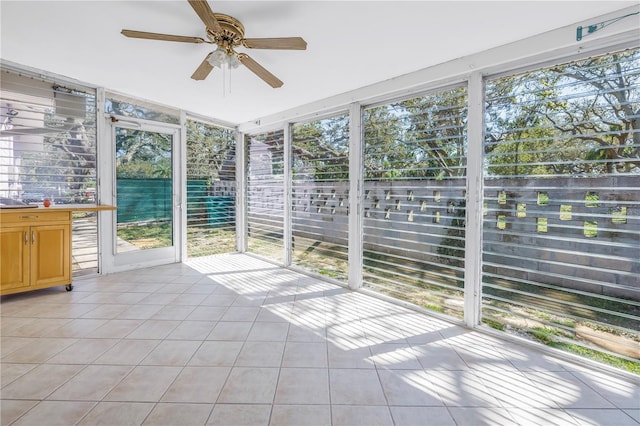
[(227, 33)]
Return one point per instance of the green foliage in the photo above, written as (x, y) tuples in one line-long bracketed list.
[(321, 150), (329, 273), (141, 170), (579, 118), (210, 152), (451, 248), (141, 154), (435, 308), (423, 137), (494, 324)]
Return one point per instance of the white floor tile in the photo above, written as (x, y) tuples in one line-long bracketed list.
[(234, 340), (303, 386), (412, 416), (301, 415), (178, 414), (52, 413), (250, 386), (359, 415), (240, 415), (356, 387), (197, 385)]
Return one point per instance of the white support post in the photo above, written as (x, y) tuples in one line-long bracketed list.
[(104, 182), (473, 234), (286, 229), (355, 196), (241, 193), (182, 193)]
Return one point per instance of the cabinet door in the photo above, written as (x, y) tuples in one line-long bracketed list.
[(14, 257), (50, 255)]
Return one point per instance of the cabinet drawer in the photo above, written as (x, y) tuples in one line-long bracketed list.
[(35, 217)]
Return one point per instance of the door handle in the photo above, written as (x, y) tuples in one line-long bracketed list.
[(26, 238), (33, 237)]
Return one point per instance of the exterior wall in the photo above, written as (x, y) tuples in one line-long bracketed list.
[(567, 254)]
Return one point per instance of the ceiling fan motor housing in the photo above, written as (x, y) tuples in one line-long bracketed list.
[(232, 32)]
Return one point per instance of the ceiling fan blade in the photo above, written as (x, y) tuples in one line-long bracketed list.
[(203, 69), (259, 70), (205, 13), (284, 43), (166, 37)]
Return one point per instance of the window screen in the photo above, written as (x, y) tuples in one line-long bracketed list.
[(414, 199), (265, 195), (561, 233), (320, 196), (48, 151)]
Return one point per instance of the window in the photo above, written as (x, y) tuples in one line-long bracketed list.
[(211, 189), (48, 151), (414, 200), (320, 196), (565, 141), (135, 108), (265, 195)]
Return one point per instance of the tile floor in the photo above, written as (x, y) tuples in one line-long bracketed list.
[(231, 340)]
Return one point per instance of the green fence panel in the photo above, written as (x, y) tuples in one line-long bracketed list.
[(220, 210), (140, 200)]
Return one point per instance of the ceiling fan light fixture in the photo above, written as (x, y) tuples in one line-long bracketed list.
[(234, 62), (217, 58), (220, 57)]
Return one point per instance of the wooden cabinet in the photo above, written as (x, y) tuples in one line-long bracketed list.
[(35, 250)]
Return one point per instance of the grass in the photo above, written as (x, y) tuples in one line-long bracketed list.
[(542, 299), (546, 335), (323, 258), (209, 241), (147, 236), (549, 337), (497, 325), (200, 241)]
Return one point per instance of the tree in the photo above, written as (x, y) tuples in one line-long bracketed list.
[(210, 152), (437, 132), (141, 154), (581, 118), (321, 149), (421, 137), (385, 151), (605, 111)]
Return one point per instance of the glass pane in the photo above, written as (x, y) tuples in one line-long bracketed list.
[(320, 205), (143, 190), (565, 141), (414, 200), (48, 152), (265, 195), (211, 189), (135, 110)]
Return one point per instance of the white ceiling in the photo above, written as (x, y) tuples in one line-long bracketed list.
[(350, 44)]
